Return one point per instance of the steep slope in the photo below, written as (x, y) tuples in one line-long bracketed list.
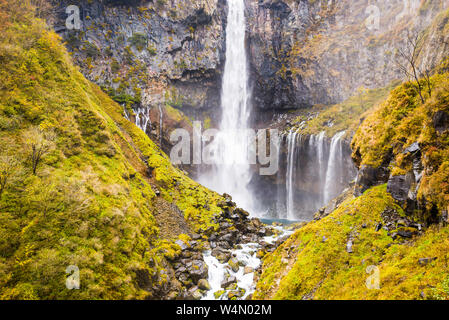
[(81, 185)]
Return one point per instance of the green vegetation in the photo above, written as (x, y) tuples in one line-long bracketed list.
[(314, 263), (345, 116), (401, 121), (91, 200)]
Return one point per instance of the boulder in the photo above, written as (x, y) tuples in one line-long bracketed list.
[(426, 261), (441, 121), (203, 284), (198, 270), (228, 281), (234, 264)]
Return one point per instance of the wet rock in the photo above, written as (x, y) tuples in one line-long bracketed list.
[(194, 294), (228, 281), (218, 294), (203, 284), (221, 256), (234, 264), (378, 227), (248, 270)]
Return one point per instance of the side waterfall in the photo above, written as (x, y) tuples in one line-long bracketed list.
[(316, 172), (333, 168)]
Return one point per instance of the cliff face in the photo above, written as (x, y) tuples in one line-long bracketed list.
[(301, 53), (152, 52), (308, 52)]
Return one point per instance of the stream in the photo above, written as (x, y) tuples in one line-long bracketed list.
[(246, 257)]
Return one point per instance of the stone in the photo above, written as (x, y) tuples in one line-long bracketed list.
[(203, 284), (248, 270), (182, 244), (399, 187), (194, 294), (234, 264), (198, 270), (426, 261), (228, 281), (413, 148), (441, 121)]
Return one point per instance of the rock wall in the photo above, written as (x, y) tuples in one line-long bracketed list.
[(304, 53), (150, 52)]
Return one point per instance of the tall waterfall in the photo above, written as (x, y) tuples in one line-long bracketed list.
[(231, 173), (333, 168), (291, 169)]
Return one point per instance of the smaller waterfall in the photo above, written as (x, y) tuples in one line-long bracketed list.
[(291, 170), (142, 118), (161, 119), (333, 168)]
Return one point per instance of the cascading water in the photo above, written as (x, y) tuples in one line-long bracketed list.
[(231, 169), (291, 166), (333, 168), (317, 169), (142, 118)]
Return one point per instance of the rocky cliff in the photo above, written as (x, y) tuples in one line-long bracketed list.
[(304, 53)]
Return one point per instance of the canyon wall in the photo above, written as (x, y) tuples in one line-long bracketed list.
[(321, 52)]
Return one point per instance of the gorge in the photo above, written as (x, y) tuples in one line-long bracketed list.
[(86, 117)]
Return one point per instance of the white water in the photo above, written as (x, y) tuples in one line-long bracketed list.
[(333, 168), (161, 123), (231, 169), (291, 166), (142, 118), (248, 255)]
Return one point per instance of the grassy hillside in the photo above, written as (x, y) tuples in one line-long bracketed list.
[(315, 263), (398, 123), (79, 183)]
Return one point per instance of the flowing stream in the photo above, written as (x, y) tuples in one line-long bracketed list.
[(247, 256)]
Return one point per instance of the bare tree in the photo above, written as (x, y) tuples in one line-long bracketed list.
[(8, 166), (408, 63), (40, 143)]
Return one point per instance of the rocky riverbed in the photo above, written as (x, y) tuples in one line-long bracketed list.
[(224, 267)]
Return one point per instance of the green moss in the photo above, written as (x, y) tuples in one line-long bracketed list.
[(314, 262), (398, 123), (345, 116), (92, 202)]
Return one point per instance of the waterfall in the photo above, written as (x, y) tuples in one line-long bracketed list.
[(321, 162), (291, 170), (142, 118), (231, 169), (333, 168), (161, 122)]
